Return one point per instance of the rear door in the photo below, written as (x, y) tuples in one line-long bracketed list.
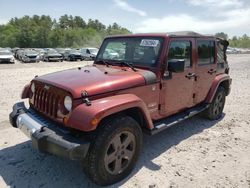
[(205, 68)]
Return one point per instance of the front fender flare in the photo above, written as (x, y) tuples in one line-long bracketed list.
[(25, 91), (87, 118)]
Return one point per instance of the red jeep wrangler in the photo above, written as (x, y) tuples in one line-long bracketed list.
[(148, 82)]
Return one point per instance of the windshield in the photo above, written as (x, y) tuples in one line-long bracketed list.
[(52, 51), (74, 51), (30, 52), (142, 51), (93, 50), (5, 53)]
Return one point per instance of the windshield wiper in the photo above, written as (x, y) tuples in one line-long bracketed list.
[(103, 62), (128, 64)]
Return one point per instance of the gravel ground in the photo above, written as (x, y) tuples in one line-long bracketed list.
[(195, 153)]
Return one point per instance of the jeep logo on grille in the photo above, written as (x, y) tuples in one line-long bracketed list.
[(46, 87)]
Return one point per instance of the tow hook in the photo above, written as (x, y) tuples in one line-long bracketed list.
[(85, 98)]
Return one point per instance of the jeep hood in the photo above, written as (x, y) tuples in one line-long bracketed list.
[(97, 79)]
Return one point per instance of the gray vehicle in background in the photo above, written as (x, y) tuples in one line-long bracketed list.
[(6, 56), (19, 53), (52, 55), (30, 56), (89, 53), (73, 55)]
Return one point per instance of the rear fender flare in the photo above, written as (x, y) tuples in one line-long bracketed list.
[(217, 81), (87, 118)]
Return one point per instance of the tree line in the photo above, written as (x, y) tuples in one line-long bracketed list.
[(238, 42), (43, 32)]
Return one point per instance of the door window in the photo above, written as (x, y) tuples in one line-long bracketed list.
[(206, 53), (180, 50)]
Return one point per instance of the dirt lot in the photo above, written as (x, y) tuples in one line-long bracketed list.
[(195, 153)]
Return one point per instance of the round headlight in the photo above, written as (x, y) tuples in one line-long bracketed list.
[(68, 103), (33, 88)]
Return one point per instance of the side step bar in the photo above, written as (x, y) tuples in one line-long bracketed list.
[(177, 118)]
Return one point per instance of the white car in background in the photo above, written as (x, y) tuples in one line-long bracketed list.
[(89, 53), (231, 50), (6, 56)]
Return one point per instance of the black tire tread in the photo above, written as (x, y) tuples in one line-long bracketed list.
[(107, 128), (208, 112)]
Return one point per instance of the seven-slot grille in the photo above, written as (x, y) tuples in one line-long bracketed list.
[(46, 101)]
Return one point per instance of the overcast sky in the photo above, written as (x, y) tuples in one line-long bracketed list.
[(205, 16)]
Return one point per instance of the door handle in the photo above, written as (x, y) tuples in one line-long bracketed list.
[(190, 75), (211, 71)]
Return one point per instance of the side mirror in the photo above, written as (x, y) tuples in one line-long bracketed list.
[(176, 65)]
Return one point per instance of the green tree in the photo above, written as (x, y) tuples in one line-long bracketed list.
[(64, 21), (79, 22), (222, 35), (43, 31)]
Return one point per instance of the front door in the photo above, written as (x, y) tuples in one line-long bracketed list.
[(177, 88), (205, 68)]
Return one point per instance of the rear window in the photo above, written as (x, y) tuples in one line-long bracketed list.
[(206, 51)]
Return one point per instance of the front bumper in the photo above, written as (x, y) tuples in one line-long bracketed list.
[(46, 136), (31, 61), (76, 57), (55, 58), (7, 60)]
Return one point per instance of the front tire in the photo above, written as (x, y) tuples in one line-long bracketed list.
[(114, 150), (215, 109)]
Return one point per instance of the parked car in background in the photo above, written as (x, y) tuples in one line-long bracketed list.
[(73, 55), (30, 56), (6, 56), (60, 51), (89, 53), (14, 50), (231, 50), (52, 55), (19, 53), (41, 53)]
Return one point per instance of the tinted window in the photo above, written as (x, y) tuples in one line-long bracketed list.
[(205, 52), (180, 50)]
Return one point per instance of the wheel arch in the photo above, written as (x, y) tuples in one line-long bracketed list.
[(220, 80), (88, 118), (135, 112)]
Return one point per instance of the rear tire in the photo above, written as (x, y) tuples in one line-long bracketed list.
[(215, 109), (114, 150)]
